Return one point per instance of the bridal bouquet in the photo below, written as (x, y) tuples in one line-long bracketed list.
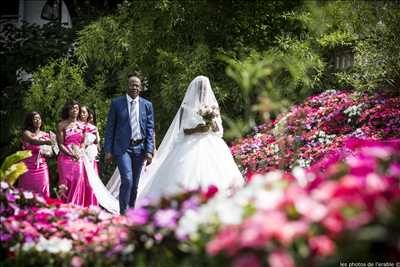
[(208, 114)]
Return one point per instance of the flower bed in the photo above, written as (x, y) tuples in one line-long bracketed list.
[(300, 218), (317, 128)]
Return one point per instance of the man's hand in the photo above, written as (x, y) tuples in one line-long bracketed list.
[(149, 158), (109, 158)]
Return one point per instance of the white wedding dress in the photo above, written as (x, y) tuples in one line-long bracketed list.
[(188, 161), (103, 195)]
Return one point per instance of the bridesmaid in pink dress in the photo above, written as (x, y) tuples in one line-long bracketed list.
[(36, 179), (88, 118), (71, 170)]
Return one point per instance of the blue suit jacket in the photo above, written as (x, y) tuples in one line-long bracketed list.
[(118, 130)]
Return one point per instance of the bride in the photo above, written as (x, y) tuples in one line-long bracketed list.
[(192, 154)]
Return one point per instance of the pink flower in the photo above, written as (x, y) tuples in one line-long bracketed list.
[(138, 216), (280, 258), (375, 183), (255, 232), (225, 240), (377, 151), (361, 166), (76, 261), (310, 209), (322, 245), (166, 218), (334, 223), (292, 230), (325, 191), (11, 197), (247, 260), (394, 169)]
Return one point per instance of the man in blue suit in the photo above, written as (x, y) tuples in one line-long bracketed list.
[(129, 139)]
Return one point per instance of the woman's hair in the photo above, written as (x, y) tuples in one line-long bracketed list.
[(68, 105), (91, 113), (80, 112), (28, 123)]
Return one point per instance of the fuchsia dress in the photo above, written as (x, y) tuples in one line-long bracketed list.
[(36, 179), (72, 172)]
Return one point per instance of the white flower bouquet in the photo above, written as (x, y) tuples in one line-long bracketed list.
[(50, 150), (208, 114)]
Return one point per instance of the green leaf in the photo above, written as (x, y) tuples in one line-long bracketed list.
[(14, 172), (14, 158), (12, 168)]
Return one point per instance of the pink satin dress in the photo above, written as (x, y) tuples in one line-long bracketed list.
[(72, 172), (36, 179)]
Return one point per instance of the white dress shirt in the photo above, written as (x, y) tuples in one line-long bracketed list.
[(136, 134)]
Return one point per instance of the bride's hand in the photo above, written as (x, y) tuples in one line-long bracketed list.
[(215, 127)]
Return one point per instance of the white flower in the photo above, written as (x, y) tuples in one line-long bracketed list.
[(128, 249), (272, 176), (73, 214), (4, 185), (324, 138), (54, 245), (28, 246), (221, 209), (229, 212), (188, 224), (104, 215), (354, 111), (330, 91), (302, 177), (275, 148), (28, 195), (303, 163), (268, 200)]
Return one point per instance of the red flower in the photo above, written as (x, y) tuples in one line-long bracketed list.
[(211, 191), (53, 201)]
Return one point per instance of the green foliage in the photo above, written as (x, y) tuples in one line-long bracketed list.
[(275, 79), (12, 167), (369, 28), (377, 54), (169, 42), (276, 53), (56, 83), (24, 49), (301, 62)]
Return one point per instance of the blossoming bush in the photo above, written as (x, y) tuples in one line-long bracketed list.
[(348, 211), (39, 232), (317, 128)]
